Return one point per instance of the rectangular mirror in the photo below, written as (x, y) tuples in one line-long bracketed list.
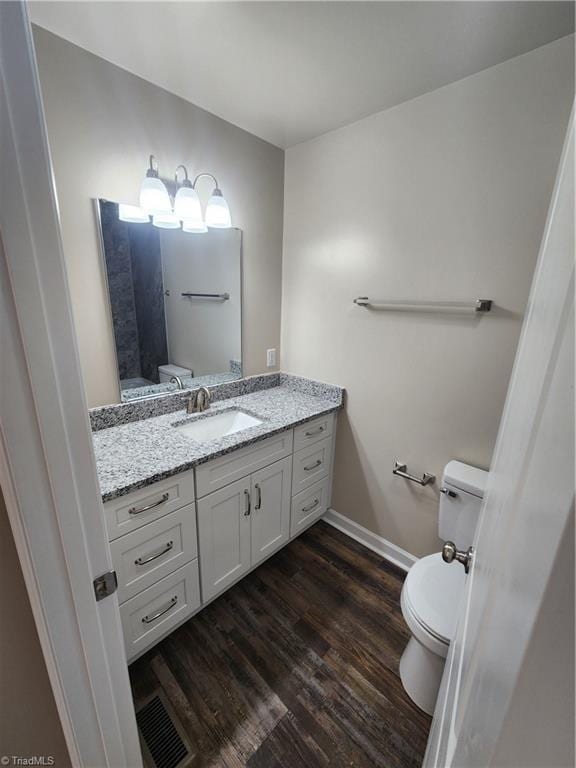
[(175, 302)]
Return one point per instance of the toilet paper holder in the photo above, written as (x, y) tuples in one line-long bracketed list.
[(401, 469)]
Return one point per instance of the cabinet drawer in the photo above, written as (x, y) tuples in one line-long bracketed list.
[(153, 613), (144, 556), (226, 469), (311, 464), (127, 513), (308, 506), (313, 431)]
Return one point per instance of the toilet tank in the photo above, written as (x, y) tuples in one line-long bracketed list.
[(165, 372), (461, 496)]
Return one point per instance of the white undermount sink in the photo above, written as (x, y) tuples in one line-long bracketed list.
[(219, 425)]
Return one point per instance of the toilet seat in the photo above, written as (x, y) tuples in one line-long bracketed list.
[(430, 597)]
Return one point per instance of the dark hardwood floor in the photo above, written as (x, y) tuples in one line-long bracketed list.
[(297, 665)]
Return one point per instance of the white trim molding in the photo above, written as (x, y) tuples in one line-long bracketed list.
[(394, 554)]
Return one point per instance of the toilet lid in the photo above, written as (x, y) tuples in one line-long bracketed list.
[(434, 589)]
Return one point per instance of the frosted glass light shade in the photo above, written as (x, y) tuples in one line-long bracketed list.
[(217, 212), (196, 226), (132, 214), (154, 196), (166, 221), (187, 205)]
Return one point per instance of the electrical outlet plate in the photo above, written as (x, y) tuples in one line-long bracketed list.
[(270, 358)]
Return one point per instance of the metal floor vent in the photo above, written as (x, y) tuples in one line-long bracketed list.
[(162, 738)]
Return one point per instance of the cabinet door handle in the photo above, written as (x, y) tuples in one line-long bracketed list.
[(312, 506), (259, 501), (155, 556), (314, 432), (313, 466), (162, 500), (161, 612), (248, 507)]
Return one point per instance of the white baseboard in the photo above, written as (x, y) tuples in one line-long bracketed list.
[(378, 544)]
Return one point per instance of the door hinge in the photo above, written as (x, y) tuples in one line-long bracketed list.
[(105, 585)]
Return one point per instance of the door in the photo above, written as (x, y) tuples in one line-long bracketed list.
[(270, 508), (224, 537), (47, 467), (526, 517)]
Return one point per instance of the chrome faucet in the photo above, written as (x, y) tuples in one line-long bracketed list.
[(177, 380), (198, 401)]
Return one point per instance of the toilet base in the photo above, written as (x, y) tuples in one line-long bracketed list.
[(421, 673)]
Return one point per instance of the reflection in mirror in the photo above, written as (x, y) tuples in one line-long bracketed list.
[(175, 301)]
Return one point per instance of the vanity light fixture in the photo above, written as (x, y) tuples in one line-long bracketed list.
[(155, 201), (217, 210), (195, 226), (166, 220), (154, 198), (133, 214), (186, 203)]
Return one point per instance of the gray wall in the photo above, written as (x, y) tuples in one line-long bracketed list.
[(103, 123), (443, 197)]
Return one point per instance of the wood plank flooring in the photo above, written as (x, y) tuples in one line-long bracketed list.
[(295, 666)]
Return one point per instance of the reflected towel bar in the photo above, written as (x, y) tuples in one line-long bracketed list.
[(219, 296), (400, 469), (478, 305)]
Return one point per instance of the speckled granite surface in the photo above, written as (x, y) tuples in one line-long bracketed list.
[(189, 382), (124, 413), (133, 455)]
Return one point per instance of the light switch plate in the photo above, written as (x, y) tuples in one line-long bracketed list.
[(270, 358)]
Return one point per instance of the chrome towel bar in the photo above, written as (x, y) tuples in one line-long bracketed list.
[(218, 296), (478, 305), (400, 469)]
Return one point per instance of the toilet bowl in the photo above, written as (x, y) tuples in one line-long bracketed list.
[(433, 590), (430, 598)]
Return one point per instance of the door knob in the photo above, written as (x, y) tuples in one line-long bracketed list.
[(450, 553)]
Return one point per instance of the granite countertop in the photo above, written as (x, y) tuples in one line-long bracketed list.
[(188, 382), (131, 456)]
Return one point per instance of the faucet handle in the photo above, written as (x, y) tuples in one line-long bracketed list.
[(203, 398)]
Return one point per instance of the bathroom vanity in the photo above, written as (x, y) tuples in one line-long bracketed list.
[(193, 503)]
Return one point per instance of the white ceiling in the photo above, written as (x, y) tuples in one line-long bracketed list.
[(289, 71)]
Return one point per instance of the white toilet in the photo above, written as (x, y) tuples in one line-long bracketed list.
[(433, 589), (166, 372)]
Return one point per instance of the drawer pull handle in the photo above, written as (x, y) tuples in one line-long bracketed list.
[(161, 612), (248, 506), (155, 556), (314, 432), (312, 506), (259, 501), (313, 466), (136, 511)]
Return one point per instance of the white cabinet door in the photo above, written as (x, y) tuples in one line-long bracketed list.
[(224, 537), (271, 508)]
